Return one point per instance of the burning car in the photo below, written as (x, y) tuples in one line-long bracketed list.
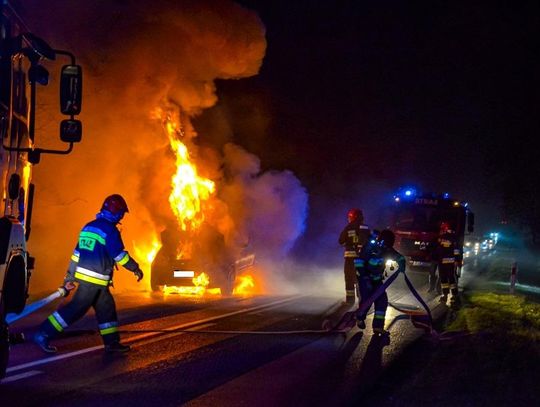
[(194, 266)]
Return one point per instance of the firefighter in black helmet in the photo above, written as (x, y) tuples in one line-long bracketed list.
[(372, 263), (99, 249), (353, 237)]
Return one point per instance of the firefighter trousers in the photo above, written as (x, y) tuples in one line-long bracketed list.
[(86, 296), (447, 275), (367, 287), (351, 280)]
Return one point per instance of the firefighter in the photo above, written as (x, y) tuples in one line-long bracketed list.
[(98, 251), (352, 238), (447, 256), (371, 266)]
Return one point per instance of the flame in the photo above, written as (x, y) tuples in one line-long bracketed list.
[(145, 253), (245, 285), (188, 188), (199, 288), (189, 191)]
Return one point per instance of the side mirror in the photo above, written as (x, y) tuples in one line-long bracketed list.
[(71, 90), (70, 131), (470, 222)]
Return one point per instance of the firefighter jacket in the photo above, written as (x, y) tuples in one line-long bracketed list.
[(353, 237), (374, 259), (98, 250), (446, 251)]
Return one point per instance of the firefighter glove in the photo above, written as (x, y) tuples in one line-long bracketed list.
[(139, 274), (69, 278), (66, 288)]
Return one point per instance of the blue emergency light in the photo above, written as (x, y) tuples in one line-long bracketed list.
[(405, 193)]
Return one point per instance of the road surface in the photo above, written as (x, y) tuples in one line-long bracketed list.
[(263, 350)]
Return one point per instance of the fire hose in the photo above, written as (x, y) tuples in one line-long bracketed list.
[(30, 308), (418, 318)]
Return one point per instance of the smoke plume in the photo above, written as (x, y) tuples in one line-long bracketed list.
[(138, 56)]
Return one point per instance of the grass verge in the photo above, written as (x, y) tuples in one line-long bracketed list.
[(495, 361)]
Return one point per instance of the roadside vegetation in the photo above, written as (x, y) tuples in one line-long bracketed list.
[(487, 355)]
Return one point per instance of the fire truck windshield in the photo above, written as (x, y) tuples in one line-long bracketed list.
[(423, 218)]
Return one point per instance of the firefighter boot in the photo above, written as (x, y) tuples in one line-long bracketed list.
[(432, 283), (454, 299), (380, 331), (42, 340), (361, 324), (117, 347), (350, 297)]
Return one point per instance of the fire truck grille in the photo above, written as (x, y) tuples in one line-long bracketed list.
[(413, 245)]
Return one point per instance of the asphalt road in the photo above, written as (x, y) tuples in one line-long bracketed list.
[(265, 351)]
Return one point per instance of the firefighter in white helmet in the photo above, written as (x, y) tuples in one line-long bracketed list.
[(353, 237)]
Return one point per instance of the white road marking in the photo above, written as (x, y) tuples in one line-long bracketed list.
[(52, 359), (167, 336), (258, 311), (20, 376), (185, 325)]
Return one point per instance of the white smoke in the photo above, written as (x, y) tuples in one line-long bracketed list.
[(270, 207)]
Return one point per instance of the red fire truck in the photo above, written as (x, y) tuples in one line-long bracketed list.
[(23, 60), (416, 218)]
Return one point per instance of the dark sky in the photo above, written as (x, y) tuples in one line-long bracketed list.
[(363, 96)]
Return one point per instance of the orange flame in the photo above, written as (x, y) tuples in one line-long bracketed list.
[(199, 288), (245, 285), (189, 191), (188, 188), (145, 253)]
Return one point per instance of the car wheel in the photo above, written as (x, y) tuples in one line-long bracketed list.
[(155, 280), (227, 287)]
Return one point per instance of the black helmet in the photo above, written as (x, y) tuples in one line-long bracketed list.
[(386, 238)]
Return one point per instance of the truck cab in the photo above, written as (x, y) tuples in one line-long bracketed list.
[(24, 58), (415, 220)]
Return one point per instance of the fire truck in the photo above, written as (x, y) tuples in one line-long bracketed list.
[(415, 219), (23, 60)]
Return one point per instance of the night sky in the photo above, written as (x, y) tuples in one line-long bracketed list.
[(363, 96)]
